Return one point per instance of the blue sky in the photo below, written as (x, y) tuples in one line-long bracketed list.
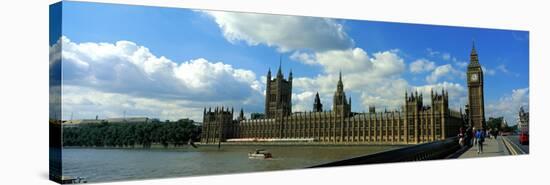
[(161, 62)]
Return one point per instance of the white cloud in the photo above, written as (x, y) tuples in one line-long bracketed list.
[(446, 56), (86, 103), (286, 33), (503, 68), (389, 94), (374, 79), (509, 104), (324, 43), (304, 58), (431, 52), (125, 67), (444, 72), (129, 72), (356, 60), (462, 64), (457, 93), (490, 72), (303, 101), (421, 65)]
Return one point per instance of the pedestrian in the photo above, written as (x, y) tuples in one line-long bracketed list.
[(480, 137), (474, 131), (461, 138), (495, 134)]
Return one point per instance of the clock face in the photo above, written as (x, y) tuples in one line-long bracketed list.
[(474, 77)]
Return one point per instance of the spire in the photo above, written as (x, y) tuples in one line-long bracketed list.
[(317, 106), (473, 54), (473, 48), (290, 75), (241, 114), (340, 84), (317, 99), (279, 73)]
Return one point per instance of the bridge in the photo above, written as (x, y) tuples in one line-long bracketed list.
[(445, 149), (502, 146)]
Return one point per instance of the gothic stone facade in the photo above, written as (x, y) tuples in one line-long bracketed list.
[(414, 123)]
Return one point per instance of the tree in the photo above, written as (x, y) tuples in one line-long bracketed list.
[(494, 123), (129, 134)]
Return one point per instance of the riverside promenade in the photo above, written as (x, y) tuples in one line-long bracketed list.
[(502, 146)]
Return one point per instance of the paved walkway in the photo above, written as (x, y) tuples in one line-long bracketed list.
[(491, 147)]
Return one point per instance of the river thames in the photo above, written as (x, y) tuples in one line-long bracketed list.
[(99, 165)]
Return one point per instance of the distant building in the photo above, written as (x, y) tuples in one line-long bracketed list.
[(417, 123), (503, 124), (523, 120), (414, 123)]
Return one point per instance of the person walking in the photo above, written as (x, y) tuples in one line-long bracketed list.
[(461, 138), (480, 137), (474, 131)]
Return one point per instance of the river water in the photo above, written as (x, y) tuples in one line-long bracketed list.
[(98, 165)]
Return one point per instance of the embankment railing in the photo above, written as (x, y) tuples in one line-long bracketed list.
[(421, 152)]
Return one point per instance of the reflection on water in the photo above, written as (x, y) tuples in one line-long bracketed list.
[(126, 164)]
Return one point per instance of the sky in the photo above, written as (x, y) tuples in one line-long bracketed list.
[(171, 63)]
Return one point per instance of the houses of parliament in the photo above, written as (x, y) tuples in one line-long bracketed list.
[(415, 123)]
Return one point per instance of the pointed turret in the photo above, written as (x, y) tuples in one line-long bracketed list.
[(317, 106), (279, 73), (290, 75), (340, 86), (473, 52), (241, 115), (317, 99), (340, 105), (473, 55)]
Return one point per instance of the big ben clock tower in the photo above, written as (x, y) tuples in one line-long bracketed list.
[(475, 91)]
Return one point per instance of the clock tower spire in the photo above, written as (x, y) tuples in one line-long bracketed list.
[(475, 91)]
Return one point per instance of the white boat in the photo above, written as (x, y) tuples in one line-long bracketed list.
[(260, 154)]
